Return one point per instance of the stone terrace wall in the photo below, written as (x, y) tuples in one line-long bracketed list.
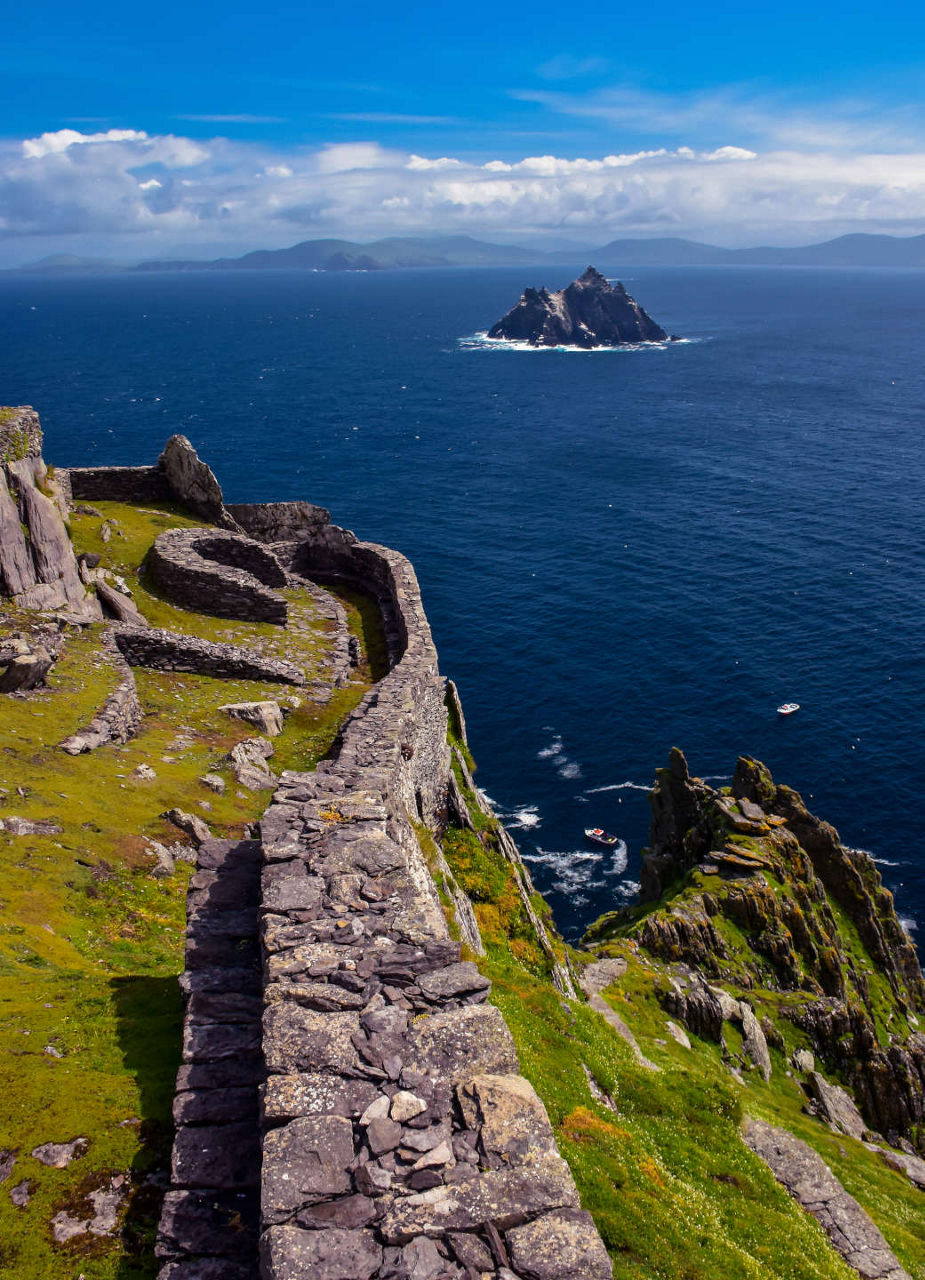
[(226, 574), (399, 1140), (119, 484), (120, 715), (167, 651)]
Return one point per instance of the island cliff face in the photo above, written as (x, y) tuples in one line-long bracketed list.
[(589, 313)]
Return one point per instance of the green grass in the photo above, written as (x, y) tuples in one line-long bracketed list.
[(90, 943)]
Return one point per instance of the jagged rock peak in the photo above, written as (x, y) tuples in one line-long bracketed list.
[(591, 312)]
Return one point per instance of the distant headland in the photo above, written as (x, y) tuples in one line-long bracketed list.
[(590, 312)]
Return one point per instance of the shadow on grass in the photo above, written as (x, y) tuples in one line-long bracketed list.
[(149, 1026)]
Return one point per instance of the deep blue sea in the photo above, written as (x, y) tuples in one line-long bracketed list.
[(619, 551)]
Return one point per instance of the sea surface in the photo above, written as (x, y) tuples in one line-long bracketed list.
[(619, 551)]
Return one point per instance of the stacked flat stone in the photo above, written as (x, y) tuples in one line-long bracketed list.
[(168, 651), (218, 572)]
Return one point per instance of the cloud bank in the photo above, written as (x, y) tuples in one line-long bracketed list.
[(148, 195)]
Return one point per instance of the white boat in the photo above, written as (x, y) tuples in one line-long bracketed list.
[(600, 836), (788, 708)]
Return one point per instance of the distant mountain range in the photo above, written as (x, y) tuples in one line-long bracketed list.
[(381, 255), (847, 251), (462, 251)]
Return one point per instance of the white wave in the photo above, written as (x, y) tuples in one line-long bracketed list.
[(569, 769), (522, 819), (617, 859), (561, 861), (480, 341), (618, 786), (552, 751), (908, 924), (881, 862), (716, 777), (628, 888)]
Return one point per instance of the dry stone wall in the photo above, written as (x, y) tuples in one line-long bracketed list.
[(399, 1139), (121, 713), (167, 651), (119, 484), (226, 574)]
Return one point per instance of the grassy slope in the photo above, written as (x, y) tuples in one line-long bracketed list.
[(90, 943), (675, 1193)]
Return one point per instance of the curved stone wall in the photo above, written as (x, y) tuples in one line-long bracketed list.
[(225, 574)]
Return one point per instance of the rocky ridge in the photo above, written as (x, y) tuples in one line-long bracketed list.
[(751, 890), (589, 313)]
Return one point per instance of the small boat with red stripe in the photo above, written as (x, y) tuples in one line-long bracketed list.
[(599, 836)]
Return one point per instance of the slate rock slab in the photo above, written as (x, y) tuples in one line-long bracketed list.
[(810, 1181), (290, 1253)]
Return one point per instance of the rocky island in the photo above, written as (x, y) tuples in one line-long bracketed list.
[(591, 312), (281, 1000)]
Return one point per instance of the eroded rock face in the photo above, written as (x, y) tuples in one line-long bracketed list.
[(756, 859), (589, 313), (37, 563)]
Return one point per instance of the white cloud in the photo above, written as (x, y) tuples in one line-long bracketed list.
[(148, 195), (55, 143)]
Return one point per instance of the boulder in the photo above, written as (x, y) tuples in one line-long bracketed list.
[(26, 670), (835, 1106), (265, 716), (559, 1246), (119, 605), (194, 827), (193, 483), (248, 760)]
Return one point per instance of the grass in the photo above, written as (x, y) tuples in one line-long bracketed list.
[(90, 943)]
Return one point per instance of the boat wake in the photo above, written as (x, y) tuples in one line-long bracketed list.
[(554, 752), (576, 871)]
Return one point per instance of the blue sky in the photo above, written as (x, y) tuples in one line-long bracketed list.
[(290, 122)]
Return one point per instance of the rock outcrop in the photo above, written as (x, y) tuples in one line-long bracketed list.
[(750, 884), (810, 1181), (589, 313), (38, 568)]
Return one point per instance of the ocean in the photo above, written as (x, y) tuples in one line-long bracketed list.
[(619, 551)]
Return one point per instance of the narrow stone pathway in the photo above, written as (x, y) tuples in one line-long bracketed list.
[(209, 1222)]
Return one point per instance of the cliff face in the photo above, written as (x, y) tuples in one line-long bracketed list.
[(589, 313), (756, 893)]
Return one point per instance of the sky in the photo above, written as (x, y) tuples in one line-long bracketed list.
[(198, 129)]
